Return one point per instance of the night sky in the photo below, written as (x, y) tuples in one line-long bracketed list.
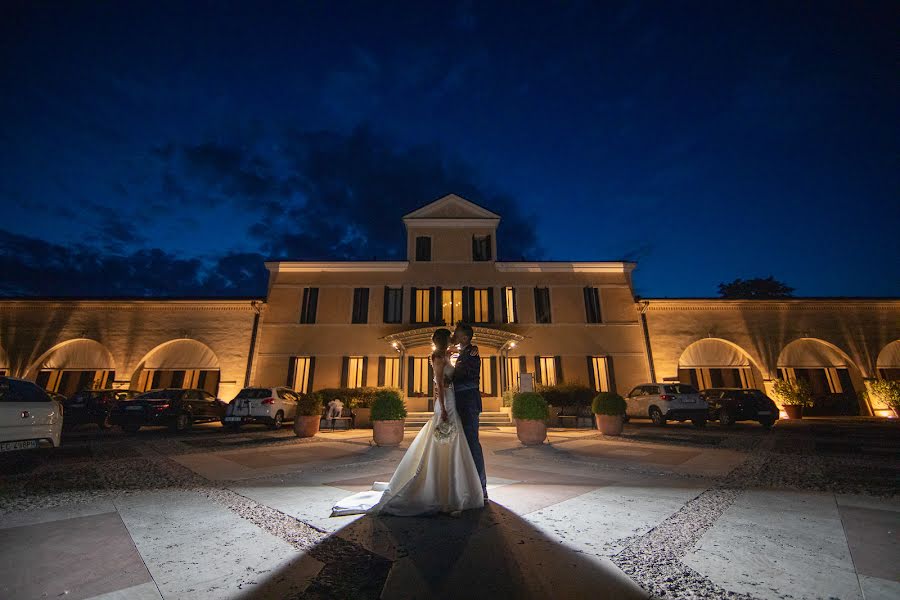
[(169, 148)]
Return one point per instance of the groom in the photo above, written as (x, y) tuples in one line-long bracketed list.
[(468, 397)]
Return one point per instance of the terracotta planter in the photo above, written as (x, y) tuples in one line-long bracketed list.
[(388, 433), (610, 424), (793, 411), (305, 426), (531, 432)]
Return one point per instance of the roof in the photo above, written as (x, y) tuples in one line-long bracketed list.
[(452, 208)]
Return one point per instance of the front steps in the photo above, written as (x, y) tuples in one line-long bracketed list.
[(416, 420)]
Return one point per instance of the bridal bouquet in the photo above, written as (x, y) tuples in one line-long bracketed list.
[(444, 432)]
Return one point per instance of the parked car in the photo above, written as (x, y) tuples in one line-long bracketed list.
[(729, 405), (29, 417), (178, 408), (94, 406), (667, 402), (271, 406)]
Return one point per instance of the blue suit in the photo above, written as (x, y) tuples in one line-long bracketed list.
[(466, 380)]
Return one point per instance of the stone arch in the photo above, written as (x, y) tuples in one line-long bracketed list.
[(74, 365), (831, 373), (178, 363), (888, 363), (717, 362)]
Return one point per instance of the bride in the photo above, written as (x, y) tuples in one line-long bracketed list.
[(437, 473)]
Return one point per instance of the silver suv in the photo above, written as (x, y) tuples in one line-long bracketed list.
[(667, 402)]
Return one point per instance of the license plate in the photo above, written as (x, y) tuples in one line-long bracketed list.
[(134, 408), (232, 419), (689, 400), (764, 412), (22, 445)]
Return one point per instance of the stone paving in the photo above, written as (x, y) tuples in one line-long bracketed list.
[(808, 510)]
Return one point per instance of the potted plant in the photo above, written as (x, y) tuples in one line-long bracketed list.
[(609, 412), (888, 392), (530, 411), (794, 395), (309, 415), (388, 417)]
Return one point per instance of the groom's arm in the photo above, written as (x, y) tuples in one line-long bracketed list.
[(468, 366)]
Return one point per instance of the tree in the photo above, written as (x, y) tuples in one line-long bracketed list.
[(759, 288)]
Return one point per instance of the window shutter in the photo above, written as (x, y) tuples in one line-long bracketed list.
[(384, 319), (494, 390), (490, 294), (588, 308), (412, 305), (345, 366), (437, 302), (432, 305), (292, 367), (381, 371), (474, 247), (430, 380), (537, 369), (411, 376), (469, 304), (490, 248), (592, 381), (596, 294), (610, 374), (504, 314), (523, 365), (559, 371), (313, 304), (515, 306), (312, 371), (304, 305), (538, 306), (365, 372)]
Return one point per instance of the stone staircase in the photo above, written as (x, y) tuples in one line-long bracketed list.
[(415, 420)]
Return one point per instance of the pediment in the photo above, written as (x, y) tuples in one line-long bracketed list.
[(452, 206)]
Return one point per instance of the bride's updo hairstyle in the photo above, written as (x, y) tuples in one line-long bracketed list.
[(441, 338)]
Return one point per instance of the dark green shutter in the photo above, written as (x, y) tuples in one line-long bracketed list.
[(292, 367), (432, 305), (345, 367), (380, 371), (412, 305), (494, 390), (523, 365), (313, 304), (515, 304), (591, 379), (504, 314), (559, 371), (437, 301), (490, 293), (365, 372), (610, 374), (411, 379), (384, 318), (312, 372), (537, 369)]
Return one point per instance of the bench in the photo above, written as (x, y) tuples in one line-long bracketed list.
[(347, 417), (576, 416)]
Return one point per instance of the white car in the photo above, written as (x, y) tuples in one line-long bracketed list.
[(663, 402), (271, 406), (29, 417)]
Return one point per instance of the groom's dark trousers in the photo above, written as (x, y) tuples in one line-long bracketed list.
[(468, 405)]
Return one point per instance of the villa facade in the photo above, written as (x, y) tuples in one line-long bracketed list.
[(369, 323)]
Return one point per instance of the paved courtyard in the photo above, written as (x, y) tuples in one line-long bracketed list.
[(808, 510)]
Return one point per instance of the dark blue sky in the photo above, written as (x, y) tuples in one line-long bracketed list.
[(166, 148)]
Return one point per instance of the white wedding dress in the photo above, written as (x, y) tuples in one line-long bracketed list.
[(436, 475)]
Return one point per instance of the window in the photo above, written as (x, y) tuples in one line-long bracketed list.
[(592, 304), (389, 371), (421, 306), (509, 305), (420, 377), (393, 305), (300, 373), (546, 370), (598, 373), (308, 308), (542, 305), (360, 305), (481, 247), (452, 306), (353, 374), (487, 381), (423, 248), (481, 306), (513, 368)]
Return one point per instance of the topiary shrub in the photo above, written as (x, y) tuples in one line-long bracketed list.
[(530, 406), (309, 405), (887, 391), (508, 396), (793, 393), (353, 397), (388, 406), (608, 403), (566, 394)]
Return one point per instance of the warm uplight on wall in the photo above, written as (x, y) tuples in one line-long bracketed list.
[(512, 344), (885, 413)]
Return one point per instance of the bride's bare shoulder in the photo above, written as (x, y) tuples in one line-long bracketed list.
[(438, 358)]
